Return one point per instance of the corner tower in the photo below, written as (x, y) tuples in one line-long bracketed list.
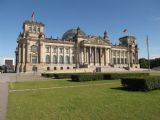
[(33, 29), (132, 49)]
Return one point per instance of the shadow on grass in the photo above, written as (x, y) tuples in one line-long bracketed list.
[(71, 81), (126, 89)]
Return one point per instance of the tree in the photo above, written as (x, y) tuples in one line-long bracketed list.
[(153, 62), (143, 63)]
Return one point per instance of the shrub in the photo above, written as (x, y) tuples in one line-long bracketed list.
[(122, 75), (87, 77), (144, 84), (47, 74), (62, 75)]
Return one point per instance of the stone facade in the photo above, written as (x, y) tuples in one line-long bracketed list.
[(35, 52)]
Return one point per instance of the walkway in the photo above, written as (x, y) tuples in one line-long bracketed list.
[(12, 77), (4, 79)]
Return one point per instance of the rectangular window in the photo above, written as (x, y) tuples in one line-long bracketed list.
[(73, 50), (30, 29), (122, 54), (67, 50), (34, 59), (47, 49), (125, 54), (125, 60), (54, 50), (114, 60), (38, 29), (122, 61), (61, 50), (118, 53), (118, 60), (34, 29), (114, 53)]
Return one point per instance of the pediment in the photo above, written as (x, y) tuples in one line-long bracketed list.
[(96, 41)]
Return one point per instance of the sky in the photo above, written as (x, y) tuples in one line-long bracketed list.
[(140, 17)]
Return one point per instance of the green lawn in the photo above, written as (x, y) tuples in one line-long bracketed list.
[(155, 73), (94, 102)]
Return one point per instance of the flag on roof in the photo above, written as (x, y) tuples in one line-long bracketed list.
[(125, 30)]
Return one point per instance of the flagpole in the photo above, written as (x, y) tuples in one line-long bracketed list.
[(148, 53), (127, 34), (33, 15)]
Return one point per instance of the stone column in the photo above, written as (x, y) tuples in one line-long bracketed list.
[(100, 55), (24, 53), (116, 56), (80, 56), (70, 55), (128, 59), (95, 56), (27, 53), (63, 55), (19, 53), (89, 55), (84, 54), (108, 56), (111, 58), (57, 55), (105, 56), (120, 57), (50, 54), (123, 57), (23, 57), (40, 53)]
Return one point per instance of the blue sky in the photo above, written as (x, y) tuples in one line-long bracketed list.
[(140, 17)]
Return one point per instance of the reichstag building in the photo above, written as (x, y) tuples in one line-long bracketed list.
[(76, 49)]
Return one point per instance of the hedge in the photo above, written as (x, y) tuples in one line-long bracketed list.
[(61, 75), (96, 76), (122, 75), (105, 76), (142, 83), (47, 74), (86, 77)]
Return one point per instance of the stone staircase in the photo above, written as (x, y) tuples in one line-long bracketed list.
[(79, 70), (111, 69)]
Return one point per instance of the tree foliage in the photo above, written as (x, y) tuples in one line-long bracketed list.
[(153, 62)]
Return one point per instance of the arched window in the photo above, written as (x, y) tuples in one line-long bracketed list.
[(73, 60), (54, 59), (47, 59), (60, 59), (34, 59), (67, 59)]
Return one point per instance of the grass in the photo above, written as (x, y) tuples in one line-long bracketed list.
[(155, 73), (102, 102), (52, 83)]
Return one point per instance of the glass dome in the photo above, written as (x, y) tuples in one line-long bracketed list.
[(68, 35)]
